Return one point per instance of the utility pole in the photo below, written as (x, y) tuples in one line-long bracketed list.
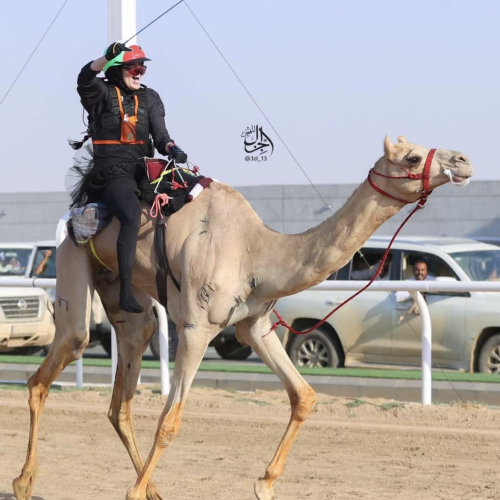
[(122, 23)]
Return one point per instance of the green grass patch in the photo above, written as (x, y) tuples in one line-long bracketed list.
[(355, 403), (391, 405), (13, 387), (245, 368)]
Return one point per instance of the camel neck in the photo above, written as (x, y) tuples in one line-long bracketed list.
[(306, 259)]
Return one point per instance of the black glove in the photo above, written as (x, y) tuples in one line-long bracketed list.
[(114, 49), (178, 155)]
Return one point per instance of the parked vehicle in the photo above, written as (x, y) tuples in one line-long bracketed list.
[(26, 322), (375, 329)]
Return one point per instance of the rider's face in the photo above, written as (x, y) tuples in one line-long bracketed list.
[(133, 82)]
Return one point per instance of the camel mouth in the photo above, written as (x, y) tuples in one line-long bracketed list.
[(457, 180)]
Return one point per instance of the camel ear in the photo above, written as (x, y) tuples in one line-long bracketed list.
[(388, 148), (402, 139)]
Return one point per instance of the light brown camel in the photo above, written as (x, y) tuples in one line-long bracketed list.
[(232, 268)]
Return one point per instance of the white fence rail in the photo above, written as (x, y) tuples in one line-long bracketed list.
[(414, 287)]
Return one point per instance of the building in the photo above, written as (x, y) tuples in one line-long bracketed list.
[(472, 211)]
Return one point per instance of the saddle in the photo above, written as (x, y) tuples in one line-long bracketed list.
[(166, 177)]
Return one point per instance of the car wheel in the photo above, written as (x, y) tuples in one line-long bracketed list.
[(172, 342), (489, 357), (315, 350), (233, 350)]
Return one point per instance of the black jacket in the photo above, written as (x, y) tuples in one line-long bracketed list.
[(98, 97)]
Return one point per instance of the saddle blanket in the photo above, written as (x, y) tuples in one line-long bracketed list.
[(85, 222)]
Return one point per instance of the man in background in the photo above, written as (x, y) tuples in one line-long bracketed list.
[(420, 273)]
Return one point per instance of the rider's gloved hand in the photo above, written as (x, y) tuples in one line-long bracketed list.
[(114, 49), (177, 153)]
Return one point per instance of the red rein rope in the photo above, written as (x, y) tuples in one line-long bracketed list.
[(160, 201), (421, 203)]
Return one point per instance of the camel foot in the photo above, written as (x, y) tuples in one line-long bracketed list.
[(23, 485), (152, 492), (136, 494), (263, 490)]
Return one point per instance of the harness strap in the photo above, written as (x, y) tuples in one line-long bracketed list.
[(132, 119), (117, 142), (374, 186), (94, 253), (424, 176), (165, 172), (161, 260)]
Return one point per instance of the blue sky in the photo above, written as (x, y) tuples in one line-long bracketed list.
[(333, 77)]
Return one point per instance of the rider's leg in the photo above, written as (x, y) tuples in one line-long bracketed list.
[(121, 198)]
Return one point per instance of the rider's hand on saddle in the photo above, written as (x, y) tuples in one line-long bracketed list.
[(114, 49), (178, 154)]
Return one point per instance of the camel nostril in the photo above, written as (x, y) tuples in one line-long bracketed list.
[(463, 159)]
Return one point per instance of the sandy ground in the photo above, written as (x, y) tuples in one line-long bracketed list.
[(348, 449)]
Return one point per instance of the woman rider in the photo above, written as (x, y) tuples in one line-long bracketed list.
[(123, 117)]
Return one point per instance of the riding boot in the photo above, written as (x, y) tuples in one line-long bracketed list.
[(126, 258), (127, 299)]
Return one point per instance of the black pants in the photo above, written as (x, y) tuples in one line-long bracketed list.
[(120, 195)]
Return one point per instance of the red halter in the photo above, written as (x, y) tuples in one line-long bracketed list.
[(425, 176)]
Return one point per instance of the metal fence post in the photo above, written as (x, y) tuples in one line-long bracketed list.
[(426, 348), (163, 337), (114, 355), (79, 373)]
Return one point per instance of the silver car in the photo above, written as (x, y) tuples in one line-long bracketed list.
[(376, 329)]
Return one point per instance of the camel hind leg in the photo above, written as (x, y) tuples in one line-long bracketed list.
[(72, 313), (133, 332), (267, 346)]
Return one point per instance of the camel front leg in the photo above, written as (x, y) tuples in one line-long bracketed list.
[(302, 396), (72, 322), (133, 332), (193, 343)]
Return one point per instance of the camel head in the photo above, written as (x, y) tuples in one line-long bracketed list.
[(404, 159)]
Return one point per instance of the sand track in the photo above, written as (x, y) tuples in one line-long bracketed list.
[(346, 450)]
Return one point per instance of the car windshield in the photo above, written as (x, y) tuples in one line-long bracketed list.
[(480, 265), (13, 261)]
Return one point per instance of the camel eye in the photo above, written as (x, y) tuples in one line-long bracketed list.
[(414, 160)]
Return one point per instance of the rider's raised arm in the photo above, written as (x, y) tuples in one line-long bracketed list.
[(91, 89)]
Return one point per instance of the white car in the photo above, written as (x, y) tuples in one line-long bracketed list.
[(375, 329), (26, 322)]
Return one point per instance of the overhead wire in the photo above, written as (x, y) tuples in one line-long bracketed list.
[(34, 50), (153, 21)]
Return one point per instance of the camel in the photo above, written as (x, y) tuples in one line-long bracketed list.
[(232, 269)]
